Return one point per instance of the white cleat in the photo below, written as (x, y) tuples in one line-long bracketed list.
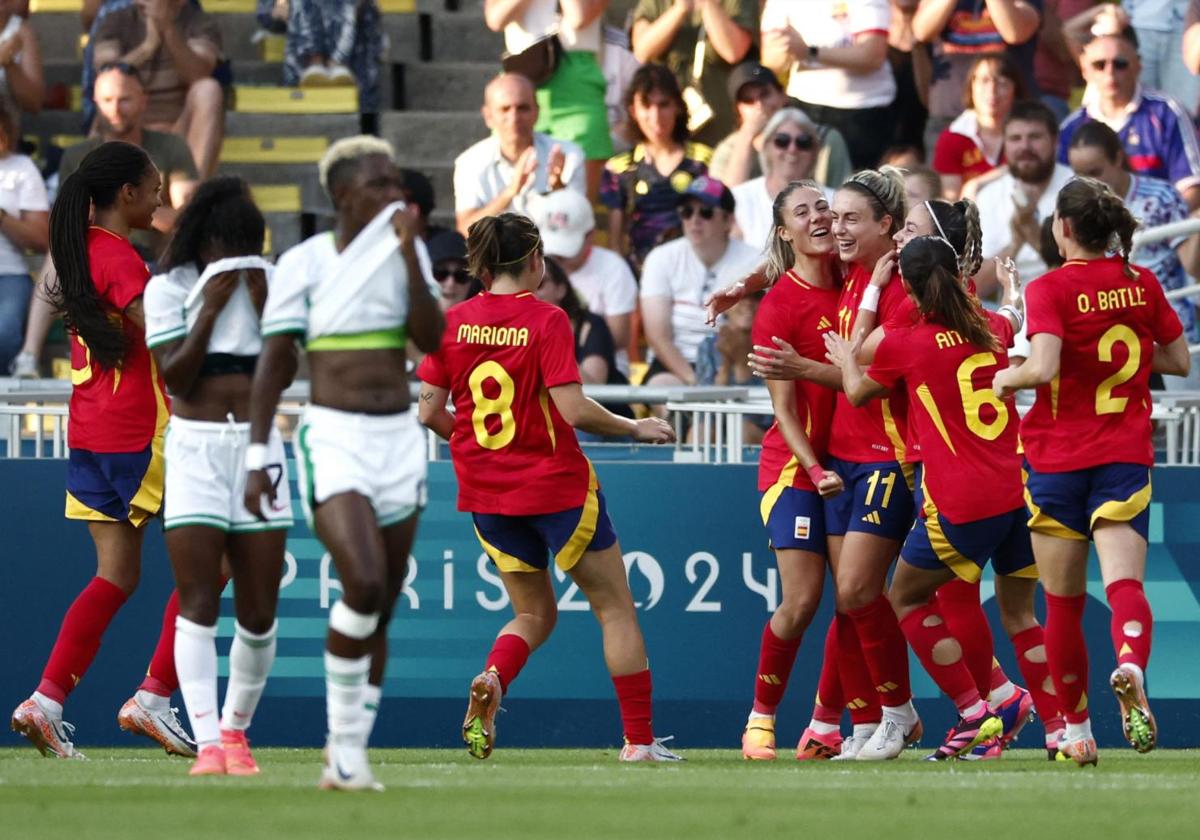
[(51, 735), (889, 741), (161, 725), (853, 745), (649, 752), (347, 768)]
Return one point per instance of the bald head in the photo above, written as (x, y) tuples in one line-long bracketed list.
[(510, 109)]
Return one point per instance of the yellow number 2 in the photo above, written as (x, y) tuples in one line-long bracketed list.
[(1106, 403), (974, 400), (485, 406)]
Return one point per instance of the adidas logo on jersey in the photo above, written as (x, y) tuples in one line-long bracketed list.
[(873, 517), (824, 324)]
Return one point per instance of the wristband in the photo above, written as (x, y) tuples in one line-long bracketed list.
[(256, 456), (870, 299), (1017, 318), (817, 473)]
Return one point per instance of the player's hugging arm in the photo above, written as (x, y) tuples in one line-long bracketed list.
[(1041, 366), (431, 410), (1172, 359)]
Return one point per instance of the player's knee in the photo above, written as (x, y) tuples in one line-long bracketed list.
[(364, 591), (352, 623), (256, 618), (198, 605), (125, 579), (797, 611), (855, 593)]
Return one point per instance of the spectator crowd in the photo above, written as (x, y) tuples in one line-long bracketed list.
[(648, 139)]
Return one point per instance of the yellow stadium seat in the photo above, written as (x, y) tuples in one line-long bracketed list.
[(280, 100), (229, 7), (44, 6), (65, 141), (273, 149), (271, 48), (75, 102), (396, 7), (266, 241), (220, 7), (277, 198)]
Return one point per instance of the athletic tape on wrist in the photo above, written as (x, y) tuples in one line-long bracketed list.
[(256, 456), (816, 472), (870, 299), (350, 623)]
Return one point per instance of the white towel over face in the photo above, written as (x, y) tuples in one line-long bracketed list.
[(173, 302)]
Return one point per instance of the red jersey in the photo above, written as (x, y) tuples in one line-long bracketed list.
[(122, 409), (968, 435), (800, 314), (1097, 410), (958, 154), (875, 432), (513, 452)]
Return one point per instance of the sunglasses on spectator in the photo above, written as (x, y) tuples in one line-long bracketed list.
[(802, 142), (750, 94), (689, 210), (1116, 63), (459, 275)]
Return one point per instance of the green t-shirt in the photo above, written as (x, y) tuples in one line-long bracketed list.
[(714, 81)]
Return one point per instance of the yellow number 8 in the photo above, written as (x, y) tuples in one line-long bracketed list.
[(975, 399), (486, 406)]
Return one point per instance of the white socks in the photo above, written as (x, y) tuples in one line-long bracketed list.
[(196, 665), (152, 701), (823, 728), (1079, 731), (999, 695), (372, 696), (51, 708), (250, 658), (975, 709), (345, 684), (906, 714)]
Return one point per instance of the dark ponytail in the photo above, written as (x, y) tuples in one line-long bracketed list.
[(1100, 221), (959, 224), (501, 245), (929, 266), (100, 177), (221, 213)]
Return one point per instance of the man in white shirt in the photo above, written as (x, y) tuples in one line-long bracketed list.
[(600, 276), (1012, 206), (499, 173), (679, 276)]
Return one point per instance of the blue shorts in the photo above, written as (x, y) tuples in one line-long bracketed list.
[(937, 543), (115, 486), (795, 519), (522, 543), (1067, 504), (877, 500)]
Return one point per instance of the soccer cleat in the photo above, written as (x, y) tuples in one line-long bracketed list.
[(654, 751), (889, 741), (1083, 752), (966, 734), (1014, 713), (985, 750), (161, 725), (479, 726), (814, 746), (853, 745), (51, 736), (1137, 721), (758, 740), (210, 762), (238, 760), (347, 768)]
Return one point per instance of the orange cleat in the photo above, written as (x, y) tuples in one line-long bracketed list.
[(479, 725), (238, 760), (814, 746), (50, 736), (758, 740), (210, 762)]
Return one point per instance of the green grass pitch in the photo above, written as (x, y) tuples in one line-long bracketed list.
[(531, 794)]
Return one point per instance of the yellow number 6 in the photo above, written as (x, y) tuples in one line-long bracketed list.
[(974, 400)]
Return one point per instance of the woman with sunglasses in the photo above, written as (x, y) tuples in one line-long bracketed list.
[(789, 154), (448, 256)]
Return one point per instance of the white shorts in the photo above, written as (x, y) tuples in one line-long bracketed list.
[(206, 477), (381, 457)]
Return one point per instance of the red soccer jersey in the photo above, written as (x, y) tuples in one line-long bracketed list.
[(875, 432), (1097, 410), (968, 435), (958, 154), (513, 452), (122, 409), (800, 314)]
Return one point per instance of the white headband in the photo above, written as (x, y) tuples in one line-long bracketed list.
[(941, 232)]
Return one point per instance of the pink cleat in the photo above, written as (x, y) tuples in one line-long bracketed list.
[(238, 760), (815, 746), (758, 740), (1014, 713), (210, 762)]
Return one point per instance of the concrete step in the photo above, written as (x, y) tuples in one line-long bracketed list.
[(446, 86), (285, 231), (333, 126), (462, 36), (432, 135)]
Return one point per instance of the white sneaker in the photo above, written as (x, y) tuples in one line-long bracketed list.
[(852, 745), (889, 740), (160, 724), (315, 75), (649, 752), (24, 366), (339, 75), (347, 768)]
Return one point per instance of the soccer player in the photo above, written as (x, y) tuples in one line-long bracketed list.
[(508, 360), (971, 494), (800, 307), (1098, 327), (117, 413), (354, 295), (202, 326)]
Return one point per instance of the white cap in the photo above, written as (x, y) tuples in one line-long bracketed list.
[(564, 218)]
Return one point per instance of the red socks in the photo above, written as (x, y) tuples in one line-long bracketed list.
[(959, 606), (160, 676), (509, 655), (828, 706), (1132, 623), (633, 693), (857, 687), (776, 657), (79, 638), (925, 630), (884, 649), (1036, 673), (1066, 654)]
